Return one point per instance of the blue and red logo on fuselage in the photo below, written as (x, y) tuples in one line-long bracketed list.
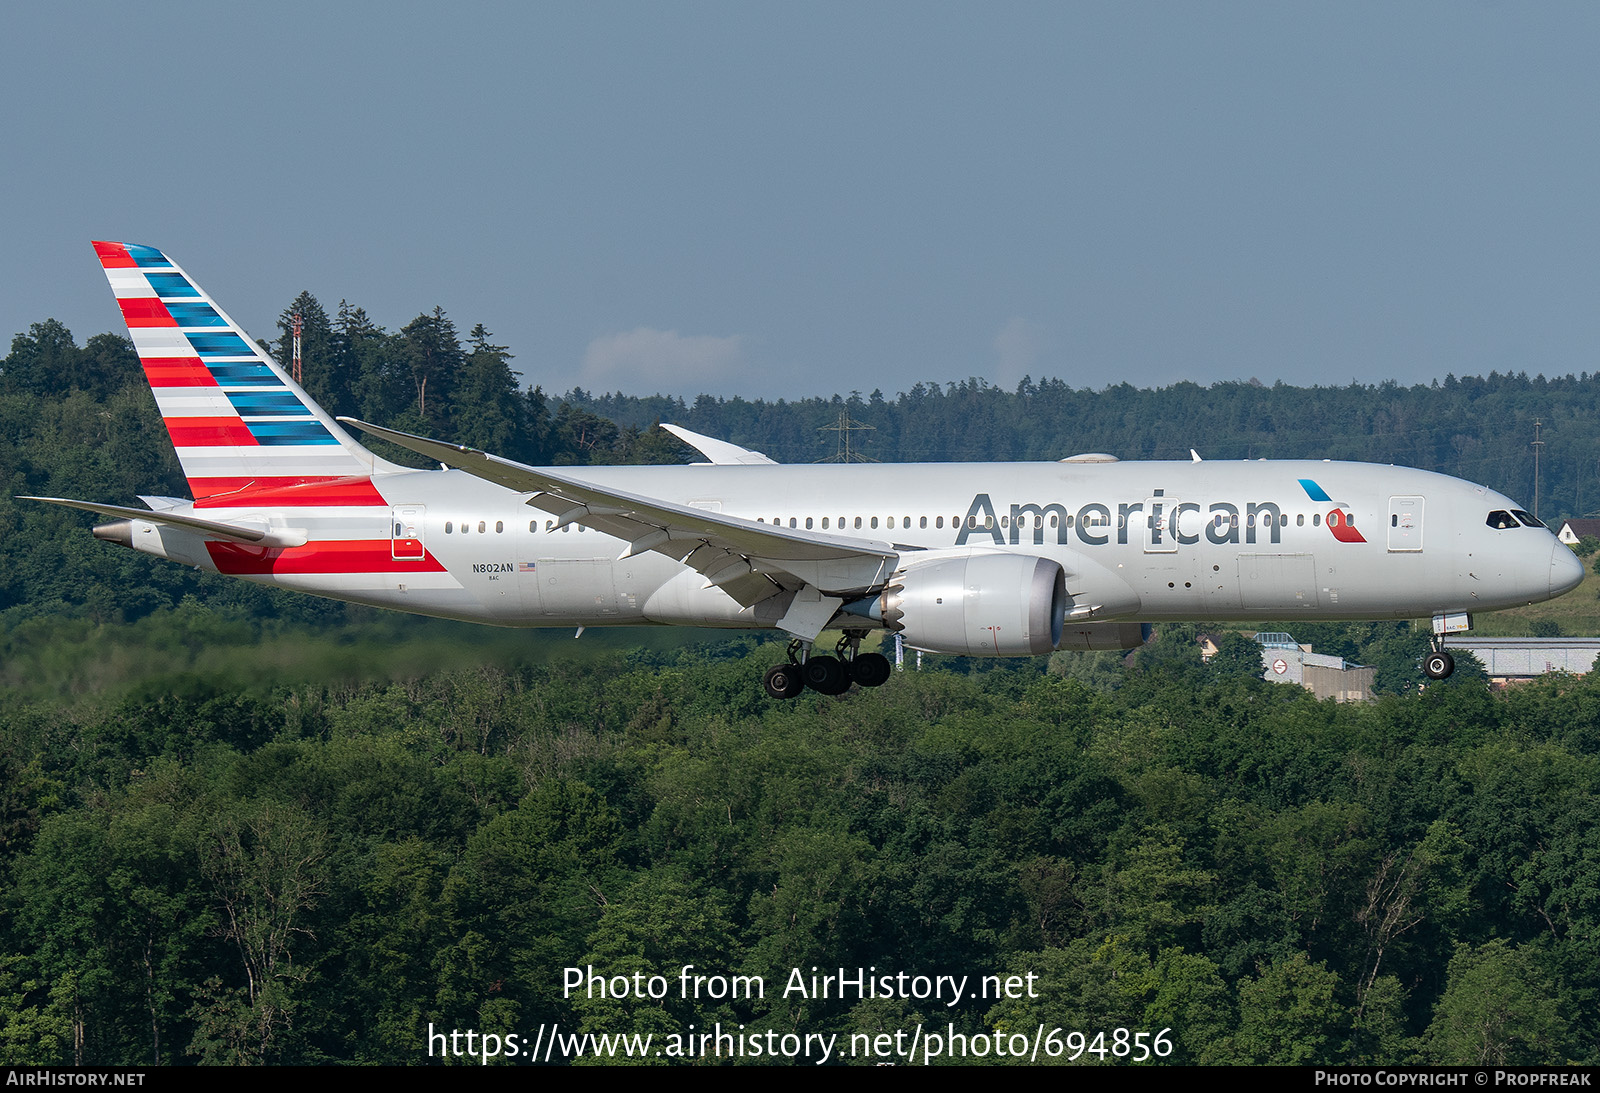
[(1338, 520)]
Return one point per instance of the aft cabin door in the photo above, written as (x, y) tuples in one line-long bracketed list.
[(406, 541), (1405, 525)]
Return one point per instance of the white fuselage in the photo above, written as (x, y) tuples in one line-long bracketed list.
[(1192, 541)]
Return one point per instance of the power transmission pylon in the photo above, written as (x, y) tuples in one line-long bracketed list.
[(847, 452)]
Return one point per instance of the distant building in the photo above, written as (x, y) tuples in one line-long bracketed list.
[(1510, 659), (1574, 530), (1284, 660)]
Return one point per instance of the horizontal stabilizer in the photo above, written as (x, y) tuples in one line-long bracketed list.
[(211, 529)]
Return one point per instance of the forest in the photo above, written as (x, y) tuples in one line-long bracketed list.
[(240, 826)]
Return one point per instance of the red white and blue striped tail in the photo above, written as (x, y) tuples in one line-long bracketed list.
[(239, 423)]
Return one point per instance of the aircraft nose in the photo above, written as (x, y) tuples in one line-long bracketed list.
[(1566, 570)]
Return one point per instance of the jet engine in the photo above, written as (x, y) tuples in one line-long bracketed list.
[(979, 605)]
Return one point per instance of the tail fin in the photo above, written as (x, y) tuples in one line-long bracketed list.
[(239, 423)]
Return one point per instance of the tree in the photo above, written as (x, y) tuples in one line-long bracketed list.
[(1289, 1014), (266, 864), (433, 358), (326, 373), (486, 407), (1499, 1009), (659, 925), (1237, 657)]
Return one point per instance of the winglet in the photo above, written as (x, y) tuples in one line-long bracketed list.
[(720, 452)]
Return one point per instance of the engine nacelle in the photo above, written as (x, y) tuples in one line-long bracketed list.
[(979, 605), (1083, 636)]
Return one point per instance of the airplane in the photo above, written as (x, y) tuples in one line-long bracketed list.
[(971, 559)]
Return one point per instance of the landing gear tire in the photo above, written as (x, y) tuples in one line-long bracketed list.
[(826, 675), (783, 681), (870, 669), (1438, 665)]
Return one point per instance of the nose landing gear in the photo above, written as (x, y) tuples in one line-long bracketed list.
[(1438, 664)]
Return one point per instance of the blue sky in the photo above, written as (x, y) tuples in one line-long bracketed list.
[(786, 200)]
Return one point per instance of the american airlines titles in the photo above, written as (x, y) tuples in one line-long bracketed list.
[(1162, 520)]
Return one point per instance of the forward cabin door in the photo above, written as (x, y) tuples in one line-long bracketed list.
[(1405, 525)]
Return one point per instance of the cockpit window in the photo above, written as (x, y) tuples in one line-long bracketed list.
[(1528, 518), (1500, 520)]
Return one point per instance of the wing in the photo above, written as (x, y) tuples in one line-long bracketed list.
[(750, 561)]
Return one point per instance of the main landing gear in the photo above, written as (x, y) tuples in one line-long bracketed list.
[(829, 675)]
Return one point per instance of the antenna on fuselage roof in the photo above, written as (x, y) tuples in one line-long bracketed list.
[(845, 452)]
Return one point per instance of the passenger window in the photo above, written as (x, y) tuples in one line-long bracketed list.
[(938, 521), (858, 523), (922, 522), (792, 522), (808, 523), (874, 523), (533, 526), (499, 527), (890, 525), (1316, 519), (448, 527), (482, 526), (824, 523), (1300, 520)]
